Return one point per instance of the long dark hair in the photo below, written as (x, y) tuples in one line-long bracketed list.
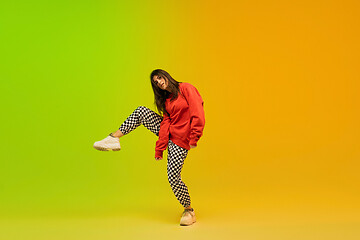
[(161, 95)]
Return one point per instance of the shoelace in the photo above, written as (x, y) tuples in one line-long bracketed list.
[(112, 136), (188, 210)]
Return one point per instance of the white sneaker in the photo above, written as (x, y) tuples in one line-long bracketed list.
[(108, 143), (188, 217)]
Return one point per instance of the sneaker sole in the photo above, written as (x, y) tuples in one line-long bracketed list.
[(183, 224), (106, 149)]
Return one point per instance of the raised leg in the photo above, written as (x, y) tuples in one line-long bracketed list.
[(141, 115)]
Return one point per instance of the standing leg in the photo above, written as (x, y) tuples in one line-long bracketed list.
[(176, 158)]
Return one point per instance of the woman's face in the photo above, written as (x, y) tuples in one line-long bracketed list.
[(161, 82)]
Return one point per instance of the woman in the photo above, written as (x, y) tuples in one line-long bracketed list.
[(179, 130)]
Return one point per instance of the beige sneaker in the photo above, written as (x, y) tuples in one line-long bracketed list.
[(108, 143), (188, 217)]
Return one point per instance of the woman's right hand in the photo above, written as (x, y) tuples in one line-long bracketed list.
[(158, 158)]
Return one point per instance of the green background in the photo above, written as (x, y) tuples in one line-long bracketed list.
[(71, 73)]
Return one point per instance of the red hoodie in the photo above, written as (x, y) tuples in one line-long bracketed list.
[(186, 122)]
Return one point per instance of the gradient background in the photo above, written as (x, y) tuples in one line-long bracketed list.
[(279, 158)]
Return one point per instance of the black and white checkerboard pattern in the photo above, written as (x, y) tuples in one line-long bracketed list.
[(145, 116), (176, 154), (176, 158)]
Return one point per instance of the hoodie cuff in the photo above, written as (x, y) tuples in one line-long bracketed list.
[(158, 153), (193, 142)]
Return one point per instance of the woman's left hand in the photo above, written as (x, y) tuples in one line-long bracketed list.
[(192, 146)]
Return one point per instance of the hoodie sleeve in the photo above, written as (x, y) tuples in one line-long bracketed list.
[(162, 142), (197, 115)]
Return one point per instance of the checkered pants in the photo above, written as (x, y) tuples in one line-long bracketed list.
[(176, 154)]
